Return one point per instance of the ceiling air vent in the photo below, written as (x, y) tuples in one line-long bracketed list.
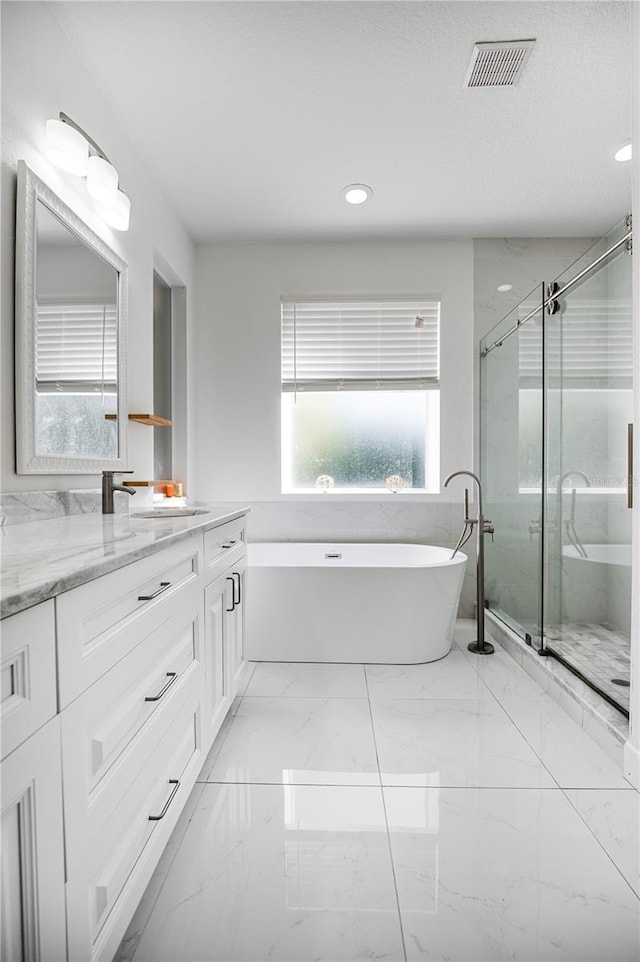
[(497, 64)]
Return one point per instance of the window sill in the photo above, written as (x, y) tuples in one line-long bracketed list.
[(360, 494)]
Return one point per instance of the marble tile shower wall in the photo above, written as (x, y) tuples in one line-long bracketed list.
[(402, 522)]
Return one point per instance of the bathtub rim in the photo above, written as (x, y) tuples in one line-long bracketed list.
[(336, 546)]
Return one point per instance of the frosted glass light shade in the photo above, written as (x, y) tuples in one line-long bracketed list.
[(102, 180), (67, 148), (623, 152), (116, 214)]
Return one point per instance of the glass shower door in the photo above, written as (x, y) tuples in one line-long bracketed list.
[(511, 466), (589, 403)]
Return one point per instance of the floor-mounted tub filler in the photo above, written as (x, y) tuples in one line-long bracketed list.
[(352, 603)]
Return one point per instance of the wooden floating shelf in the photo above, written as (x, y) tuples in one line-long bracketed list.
[(153, 419), (146, 484)]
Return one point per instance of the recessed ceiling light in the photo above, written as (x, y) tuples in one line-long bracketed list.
[(357, 193), (503, 288), (623, 152)]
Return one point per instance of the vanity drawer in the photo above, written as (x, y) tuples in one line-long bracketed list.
[(105, 886), (100, 622), (107, 732), (28, 669), (223, 546)]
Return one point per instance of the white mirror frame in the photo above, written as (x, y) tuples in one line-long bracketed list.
[(32, 189)]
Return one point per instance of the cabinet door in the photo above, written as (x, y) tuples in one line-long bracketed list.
[(216, 599), (234, 630), (28, 668), (33, 899)]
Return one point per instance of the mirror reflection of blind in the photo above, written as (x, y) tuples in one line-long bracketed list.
[(360, 344), (76, 347), (590, 345)]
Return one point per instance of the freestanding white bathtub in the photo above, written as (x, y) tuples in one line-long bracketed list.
[(371, 603)]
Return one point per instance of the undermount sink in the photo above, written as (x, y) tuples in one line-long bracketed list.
[(176, 512)]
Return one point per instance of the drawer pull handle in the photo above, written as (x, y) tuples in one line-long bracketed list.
[(230, 544), (237, 601), (233, 595), (163, 587), (176, 785), (171, 675)]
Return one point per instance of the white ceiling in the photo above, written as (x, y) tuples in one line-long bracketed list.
[(253, 116)]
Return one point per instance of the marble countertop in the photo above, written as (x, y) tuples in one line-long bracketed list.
[(41, 559)]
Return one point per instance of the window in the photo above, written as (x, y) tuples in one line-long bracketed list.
[(360, 394)]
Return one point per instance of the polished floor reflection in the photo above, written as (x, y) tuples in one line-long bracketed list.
[(443, 812)]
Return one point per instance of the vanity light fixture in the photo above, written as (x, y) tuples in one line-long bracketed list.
[(503, 288), (357, 193), (102, 179), (71, 149), (623, 153), (67, 148)]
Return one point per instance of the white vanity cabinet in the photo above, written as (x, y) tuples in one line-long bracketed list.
[(33, 895), (112, 693), (225, 553), (131, 680)]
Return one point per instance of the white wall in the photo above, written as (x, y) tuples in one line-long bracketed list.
[(238, 346), (42, 75)]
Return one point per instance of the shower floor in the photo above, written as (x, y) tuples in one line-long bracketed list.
[(599, 653)]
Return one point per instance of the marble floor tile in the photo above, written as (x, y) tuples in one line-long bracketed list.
[(453, 742), (504, 678), (280, 873), (570, 754), (288, 740), (489, 875), (614, 818), (307, 680), (450, 677)]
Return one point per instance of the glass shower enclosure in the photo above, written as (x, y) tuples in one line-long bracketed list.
[(556, 401)]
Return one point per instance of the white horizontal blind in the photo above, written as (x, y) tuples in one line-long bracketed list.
[(360, 344), (590, 345), (76, 347)]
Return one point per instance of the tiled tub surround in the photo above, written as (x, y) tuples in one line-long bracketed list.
[(41, 559), (400, 813)]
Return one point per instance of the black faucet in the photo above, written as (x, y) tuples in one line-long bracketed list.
[(108, 487)]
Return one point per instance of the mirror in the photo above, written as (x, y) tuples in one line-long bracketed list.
[(71, 298)]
